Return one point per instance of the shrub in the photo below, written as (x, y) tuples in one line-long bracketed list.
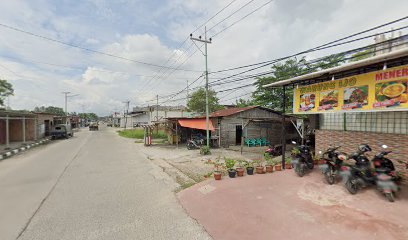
[(205, 150), (229, 163)]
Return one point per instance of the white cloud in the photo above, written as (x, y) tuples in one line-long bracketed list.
[(279, 29)]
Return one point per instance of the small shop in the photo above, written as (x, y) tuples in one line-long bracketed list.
[(362, 102)]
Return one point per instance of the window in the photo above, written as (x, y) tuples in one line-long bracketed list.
[(382, 122)]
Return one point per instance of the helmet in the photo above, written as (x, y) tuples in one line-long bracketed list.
[(364, 148)]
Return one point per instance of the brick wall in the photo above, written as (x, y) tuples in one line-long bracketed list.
[(349, 141)]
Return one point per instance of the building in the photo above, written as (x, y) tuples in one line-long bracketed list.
[(232, 126), (45, 123), (151, 115), (368, 104), (17, 127)]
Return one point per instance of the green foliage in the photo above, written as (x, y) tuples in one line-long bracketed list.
[(295, 151), (229, 163), (362, 55), (50, 109), (241, 163), (273, 97), (139, 134), (288, 160), (244, 103), (248, 164), (196, 103), (258, 162), (205, 150), (89, 116), (6, 89), (269, 160)]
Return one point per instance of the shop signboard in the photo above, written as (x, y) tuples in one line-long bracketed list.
[(385, 90)]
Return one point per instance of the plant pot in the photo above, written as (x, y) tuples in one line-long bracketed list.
[(240, 172), (288, 166), (269, 168), (322, 161), (250, 170), (232, 173), (278, 167), (259, 170), (217, 175)]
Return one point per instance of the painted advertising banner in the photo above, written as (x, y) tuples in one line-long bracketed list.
[(385, 90)]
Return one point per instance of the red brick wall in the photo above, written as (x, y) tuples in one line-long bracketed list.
[(349, 140)]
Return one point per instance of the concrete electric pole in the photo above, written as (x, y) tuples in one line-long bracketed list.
[(126, 112), (205, 41), (66, 100)]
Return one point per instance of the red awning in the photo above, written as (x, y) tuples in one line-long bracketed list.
[(196, 123)]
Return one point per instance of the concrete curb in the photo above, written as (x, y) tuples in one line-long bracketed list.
[(22, 149)]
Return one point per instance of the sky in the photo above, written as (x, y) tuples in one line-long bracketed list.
[(140, 36)]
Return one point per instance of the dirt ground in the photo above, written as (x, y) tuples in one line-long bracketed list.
[(188, 167)]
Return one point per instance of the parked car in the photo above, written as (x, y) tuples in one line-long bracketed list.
[(62, 131), (93, 126)]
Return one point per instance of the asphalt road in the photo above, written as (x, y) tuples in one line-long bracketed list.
[(95, 185)]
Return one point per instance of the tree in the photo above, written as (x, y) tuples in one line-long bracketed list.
[(244, 103), (196, 103), (273, 97), (6, 89), (362, 55), (50, 109), (90, 116)]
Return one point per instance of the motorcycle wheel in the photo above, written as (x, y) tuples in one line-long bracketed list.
[(189, 147), (329, 177), (390, 196), (351, 187), (300, 170)]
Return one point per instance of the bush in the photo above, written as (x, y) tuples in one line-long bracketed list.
[(229, 163), (205, 150), (139, 134)]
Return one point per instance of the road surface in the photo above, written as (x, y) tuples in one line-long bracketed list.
[(96, 185)]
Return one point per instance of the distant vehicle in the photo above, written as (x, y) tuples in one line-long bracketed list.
[(62, 131), (109, 124), (93, 126)]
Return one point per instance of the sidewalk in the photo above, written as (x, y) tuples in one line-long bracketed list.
[(283, 206)]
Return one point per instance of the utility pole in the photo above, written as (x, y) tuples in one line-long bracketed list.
[(205, 41), (157, 114), (126, 112), (66, 100)]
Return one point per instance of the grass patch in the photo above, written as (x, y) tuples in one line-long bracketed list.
[(139, 134)]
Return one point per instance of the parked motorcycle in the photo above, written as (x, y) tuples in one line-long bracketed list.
[(274, 150), (303, 159), (195, 143), (334, 161), (360, 174)]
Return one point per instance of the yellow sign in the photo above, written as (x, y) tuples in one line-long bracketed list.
[(385, 90)]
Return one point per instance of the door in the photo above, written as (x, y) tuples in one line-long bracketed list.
[(238, 134)]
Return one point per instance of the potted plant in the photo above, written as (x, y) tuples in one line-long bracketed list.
[(240, 168), (288, 164), (278, 165), (259, 167), (230, 163), (217, 170), (249, 167), (269, 163)]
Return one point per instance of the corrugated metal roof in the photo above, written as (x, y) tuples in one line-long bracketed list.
[(230, 111)]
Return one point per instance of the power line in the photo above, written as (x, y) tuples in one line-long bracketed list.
[(323, 46), (88, 49), (223, 20), (239, 20)]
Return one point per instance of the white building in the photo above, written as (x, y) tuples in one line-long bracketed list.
[(151, 115)]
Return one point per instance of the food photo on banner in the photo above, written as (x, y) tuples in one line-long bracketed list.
[(375, 91)]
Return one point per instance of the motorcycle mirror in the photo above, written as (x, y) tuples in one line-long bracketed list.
[(293, 142), (384, 146)]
